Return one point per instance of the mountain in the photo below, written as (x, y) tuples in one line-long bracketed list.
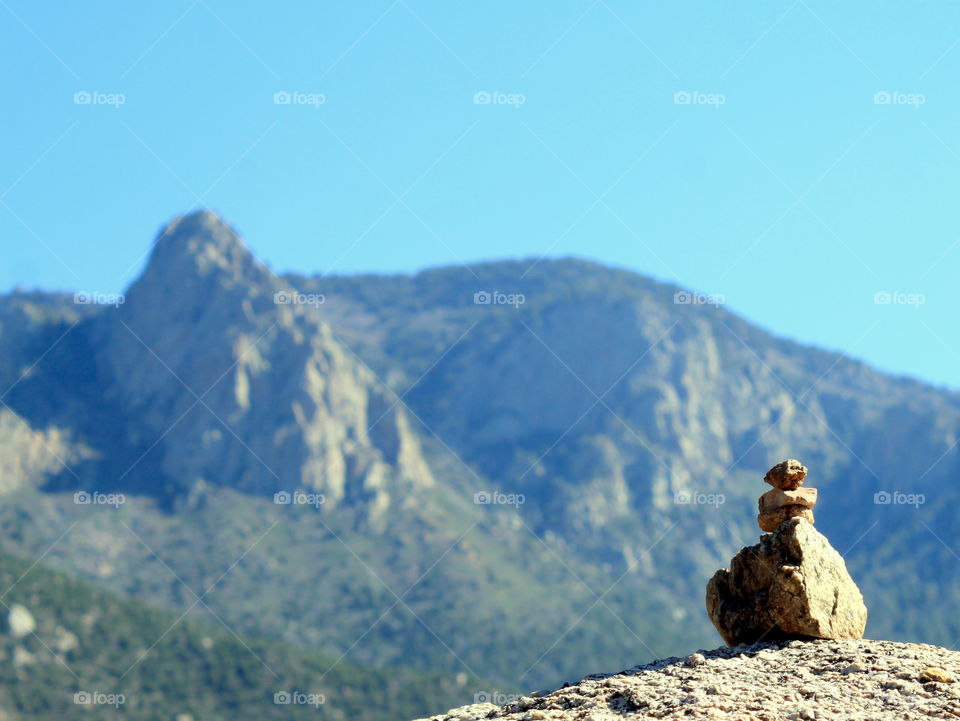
[(233, 364), (827, 680), (519, 471), (71, 650), (604, 401)]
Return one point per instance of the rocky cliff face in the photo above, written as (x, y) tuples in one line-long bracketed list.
[(835, 680), (234, 381), (210, 372), (30, 455), (624, 416), (36, 437)]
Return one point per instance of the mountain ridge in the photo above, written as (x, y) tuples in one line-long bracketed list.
[(598, 400), (668, 288)]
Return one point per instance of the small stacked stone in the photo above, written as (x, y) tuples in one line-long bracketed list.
[(787, 499)]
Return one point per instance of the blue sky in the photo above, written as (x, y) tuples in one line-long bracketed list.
[(739, 149)]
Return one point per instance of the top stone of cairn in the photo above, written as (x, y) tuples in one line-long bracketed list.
[(787, 475)]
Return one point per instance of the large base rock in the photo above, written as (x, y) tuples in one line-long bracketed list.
[(792, 584)]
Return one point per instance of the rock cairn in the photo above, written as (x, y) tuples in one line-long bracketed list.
[(787, 499), (791, 585)]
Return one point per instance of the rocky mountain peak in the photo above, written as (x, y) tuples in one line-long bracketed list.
[(208, 352), (200, 279), (202, 243)]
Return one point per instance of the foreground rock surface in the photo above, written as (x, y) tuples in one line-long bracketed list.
[(825, 680), (791, 584)]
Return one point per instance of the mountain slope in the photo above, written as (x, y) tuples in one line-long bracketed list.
[(602, 399), (245, 390), (84, 652), (503, 485), (398, 552)]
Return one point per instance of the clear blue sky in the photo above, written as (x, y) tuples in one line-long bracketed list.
[(798, 198)]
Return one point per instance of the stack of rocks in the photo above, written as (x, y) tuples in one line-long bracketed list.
[(792, 584), (787, 499)]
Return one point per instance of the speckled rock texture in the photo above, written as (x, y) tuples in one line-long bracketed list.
[(793, 584), (852, 680)]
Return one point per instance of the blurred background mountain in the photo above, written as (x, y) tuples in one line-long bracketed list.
[(398, 492)]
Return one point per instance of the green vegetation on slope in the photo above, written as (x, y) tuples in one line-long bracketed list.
[(96, 655)]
